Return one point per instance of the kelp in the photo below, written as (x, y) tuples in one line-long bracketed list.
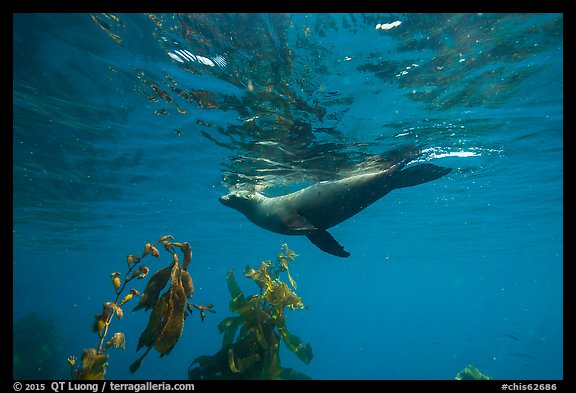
[(36, 344), (166, 321), (94, 365), (251, 338), (152, 291), (471, 373)]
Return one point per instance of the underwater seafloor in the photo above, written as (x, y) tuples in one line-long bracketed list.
[(129, 127)]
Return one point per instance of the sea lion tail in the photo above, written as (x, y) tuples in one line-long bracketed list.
[(418, 174)]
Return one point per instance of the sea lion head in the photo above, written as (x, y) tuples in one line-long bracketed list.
[(240, 200)]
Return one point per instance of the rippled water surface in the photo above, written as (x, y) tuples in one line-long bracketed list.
[(128, 127)]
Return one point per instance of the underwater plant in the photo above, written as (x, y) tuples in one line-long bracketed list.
[(250, 342), (168, 311), (36, 343), (471, 373)]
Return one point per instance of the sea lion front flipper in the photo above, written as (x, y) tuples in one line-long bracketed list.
[(324, 241), (298, 223)]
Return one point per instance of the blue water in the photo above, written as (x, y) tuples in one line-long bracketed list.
[(120, 137)]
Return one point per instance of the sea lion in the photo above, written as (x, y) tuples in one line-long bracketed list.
[(312, 210)]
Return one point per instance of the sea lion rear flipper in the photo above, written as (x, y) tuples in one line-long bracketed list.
[(324, 241), (418, 174)]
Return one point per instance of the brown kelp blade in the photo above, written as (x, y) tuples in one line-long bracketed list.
[(295, 345), (291, 374), (261, 276), (185, 247), (187, 283), (151, 292), (136, 365), (284, 261), (237, 297), (280, 296), (149, 334), (173, 319), (93, 365), (229, 326), (241, 364)]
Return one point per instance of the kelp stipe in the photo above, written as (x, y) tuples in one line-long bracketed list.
[(250, 342), (166, 320)]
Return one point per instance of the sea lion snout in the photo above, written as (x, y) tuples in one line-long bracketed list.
[(236, 199), (226, 200)]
